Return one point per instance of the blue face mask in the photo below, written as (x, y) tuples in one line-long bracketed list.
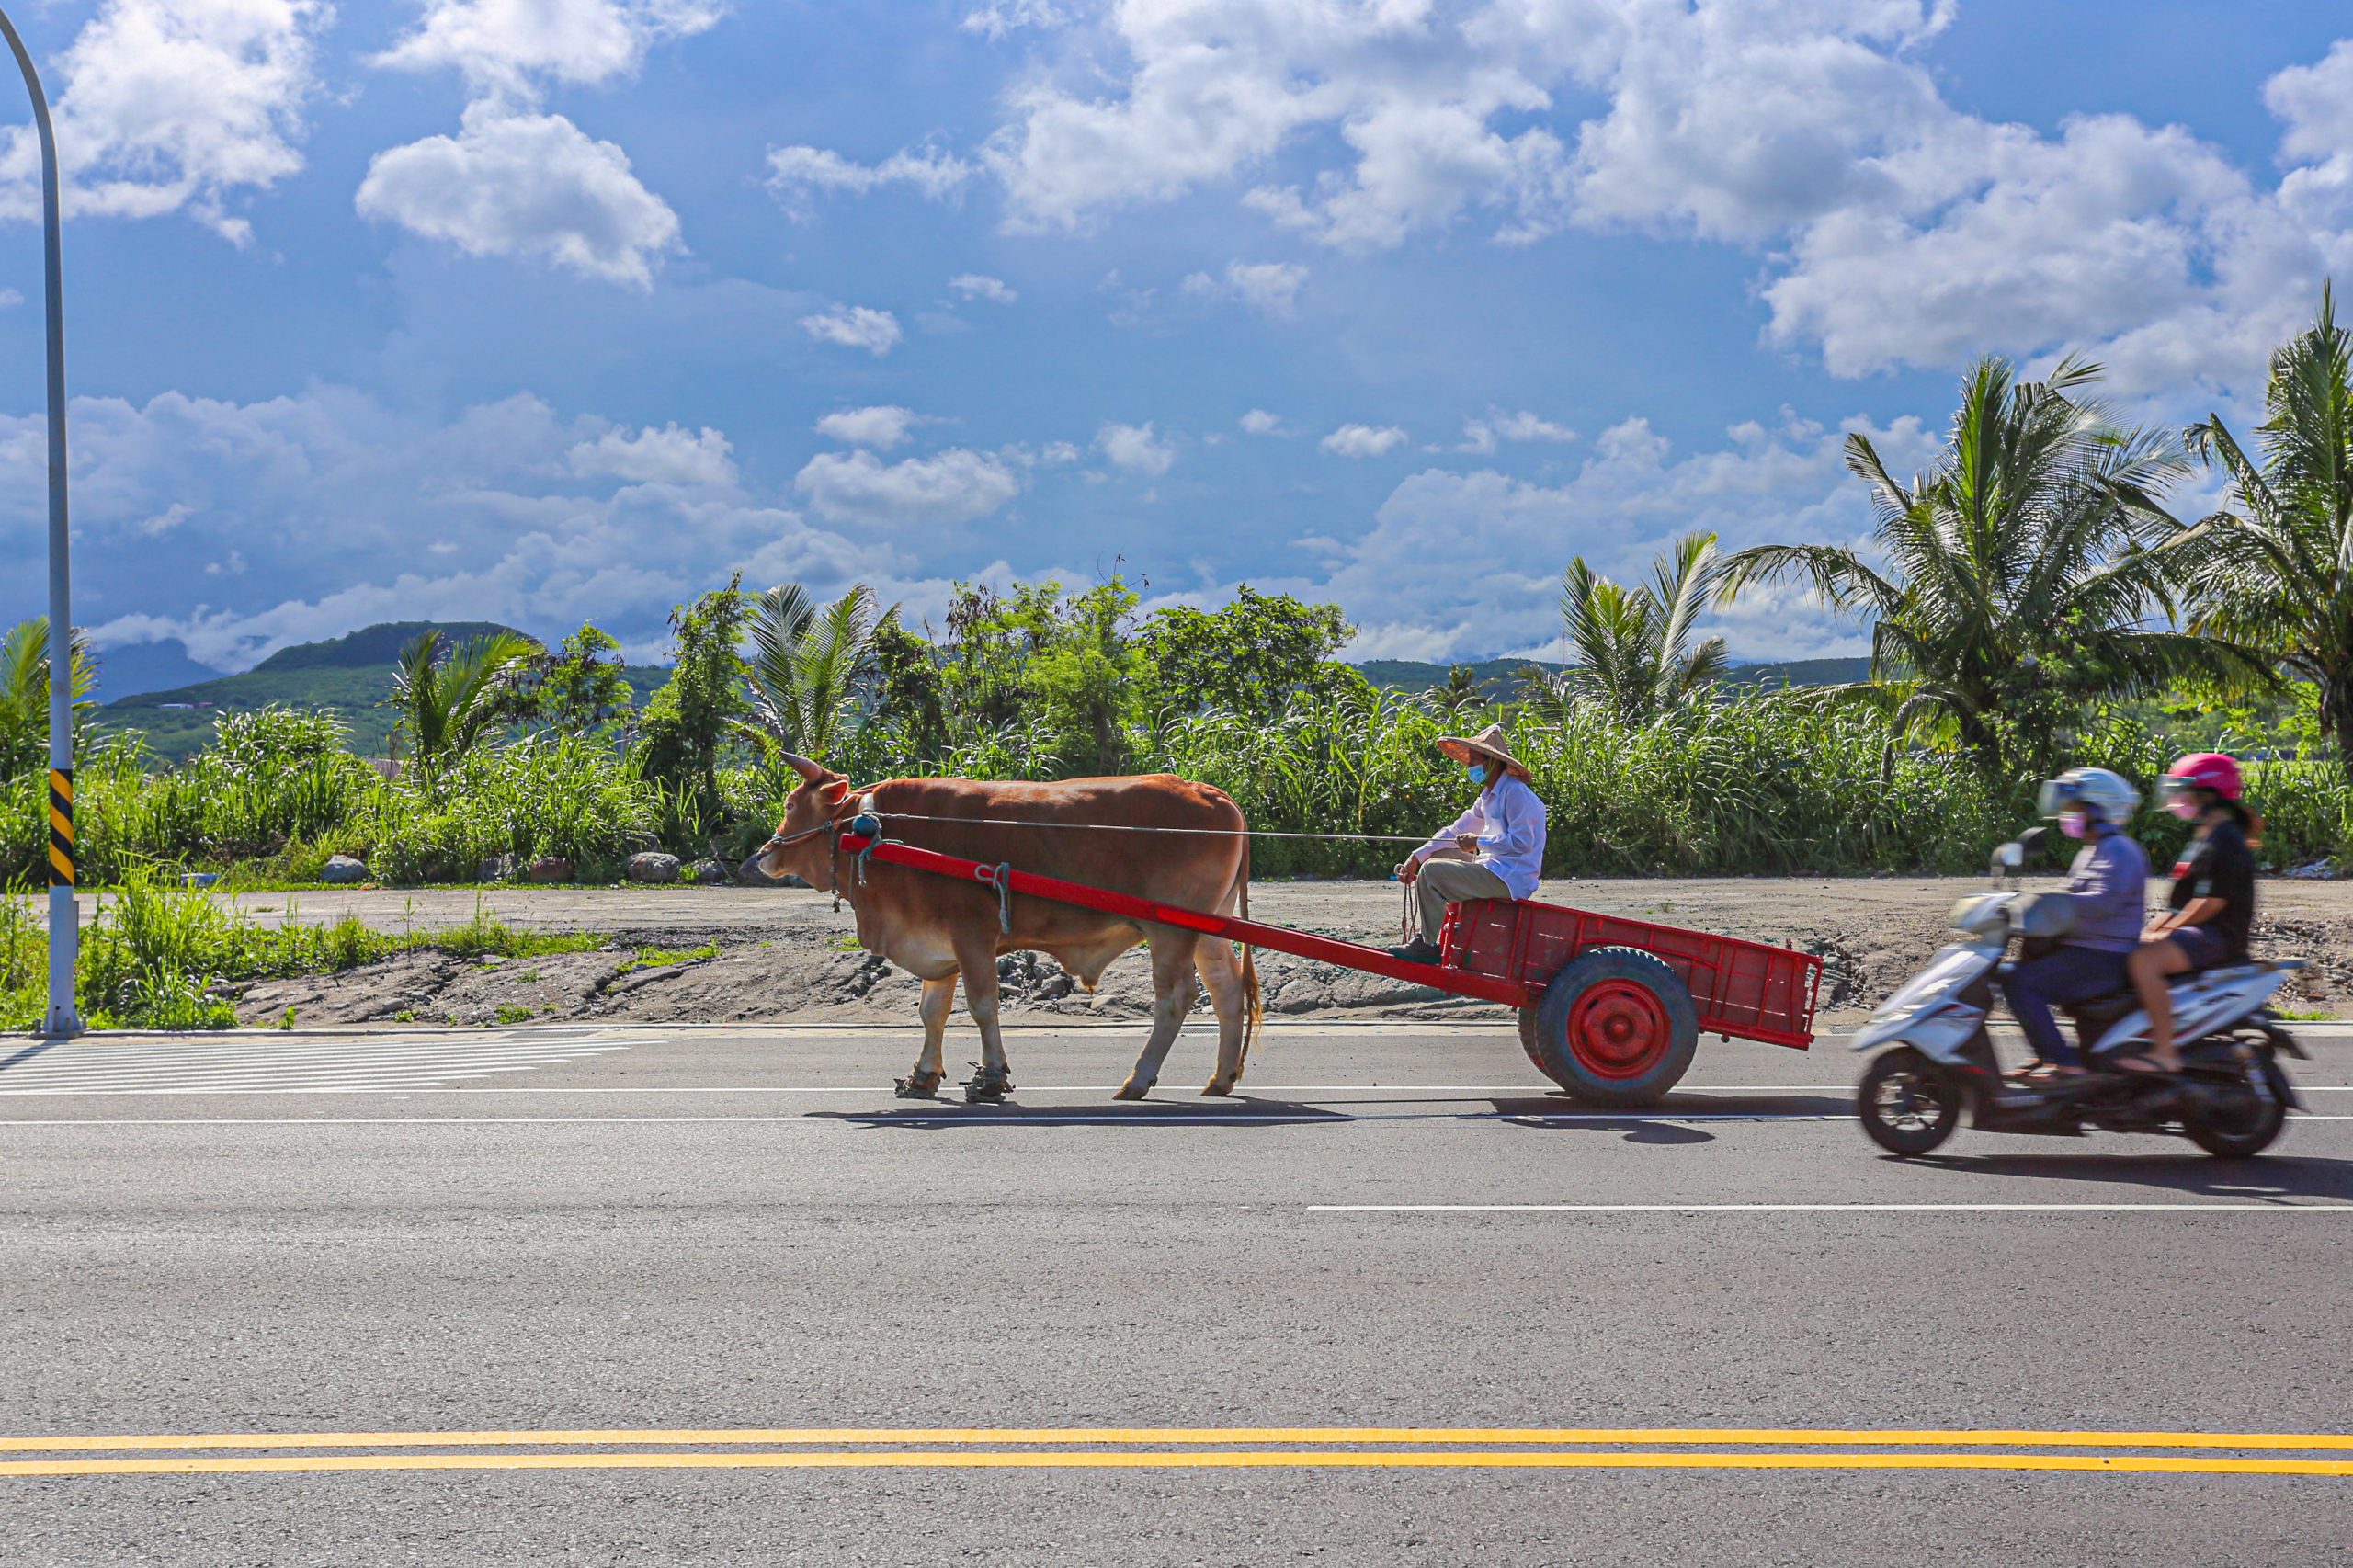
[(1478, 773)]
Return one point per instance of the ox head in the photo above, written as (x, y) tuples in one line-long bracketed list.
[(800, 847)]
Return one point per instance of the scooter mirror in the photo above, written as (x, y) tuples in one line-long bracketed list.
[(2009, 857), (2032, 839)]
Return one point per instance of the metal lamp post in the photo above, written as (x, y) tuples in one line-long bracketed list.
[(64, 922)]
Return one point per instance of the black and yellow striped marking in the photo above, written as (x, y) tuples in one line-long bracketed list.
[(61, 827)]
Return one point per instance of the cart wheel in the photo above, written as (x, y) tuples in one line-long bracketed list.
[(1615, 1026)]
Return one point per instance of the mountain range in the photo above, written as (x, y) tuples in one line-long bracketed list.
[(351, 677)]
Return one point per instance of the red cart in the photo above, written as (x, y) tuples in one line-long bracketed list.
[(1611, 1009)]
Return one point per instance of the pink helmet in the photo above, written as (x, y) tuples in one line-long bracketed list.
[(2203, 770)]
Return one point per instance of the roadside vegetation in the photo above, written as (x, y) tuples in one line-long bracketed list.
[(2030, 601)]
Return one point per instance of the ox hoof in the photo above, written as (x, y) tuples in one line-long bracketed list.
[(1133, 1090), (918, 1086), (1217, 1089), (988, 1087)]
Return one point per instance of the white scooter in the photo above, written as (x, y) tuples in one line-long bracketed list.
[(1937, 1058)]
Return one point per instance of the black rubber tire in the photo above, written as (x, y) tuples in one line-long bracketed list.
[(2241, 1139), (1930, 1077), (1628, 974)]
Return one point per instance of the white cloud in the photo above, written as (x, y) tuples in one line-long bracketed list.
[(503, 45), (953, 486), (979, 286), (1258, 422), (1363, 440), (998, 17), (667, 455), (884, 426), (1457, 565), (796, 175), (1270, 288), (344, 511), (166, 106), (524, 184), (855, 326), (1482, 435), (1134, 447)]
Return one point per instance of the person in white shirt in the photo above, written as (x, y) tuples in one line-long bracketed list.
[(1494, 850)]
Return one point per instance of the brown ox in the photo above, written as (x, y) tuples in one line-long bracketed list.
[(938, 928)]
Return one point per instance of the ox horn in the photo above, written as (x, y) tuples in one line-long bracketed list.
[(809, 772)]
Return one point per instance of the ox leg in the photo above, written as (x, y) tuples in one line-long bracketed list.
[(1221, 972), (978, 960), (1172, 998), (939, 998)]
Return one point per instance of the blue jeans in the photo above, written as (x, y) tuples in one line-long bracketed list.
[(2059, 977)]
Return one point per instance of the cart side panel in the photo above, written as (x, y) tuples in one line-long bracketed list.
[(1752, 989)]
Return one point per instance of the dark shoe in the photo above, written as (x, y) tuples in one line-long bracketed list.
[(1421, 950)]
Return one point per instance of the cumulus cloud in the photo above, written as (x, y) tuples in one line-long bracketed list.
[(1258, 422), (1135, 448), (524, 184), (797, 176), (1461, 564), (979, 286), (509, 511), (508, 45), (855, 326), (953, 486), (1482, 435), (998, 17), (667, 455), (1363, 440), (884, 426), (168, 105), (1270, 288)]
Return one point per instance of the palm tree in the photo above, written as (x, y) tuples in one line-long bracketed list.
[(448, 704), (1631, 648), (2014, 581), (2274, 568), (24, 692), (805, 663)]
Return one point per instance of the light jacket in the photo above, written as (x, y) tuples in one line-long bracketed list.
[(1509, 823), (2110, 883)]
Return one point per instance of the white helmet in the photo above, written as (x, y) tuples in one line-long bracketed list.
[(2094, 790)]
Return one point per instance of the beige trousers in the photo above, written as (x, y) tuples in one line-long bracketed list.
[(1442, 883)]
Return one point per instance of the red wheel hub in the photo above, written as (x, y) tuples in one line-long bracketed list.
[(1618, 1029)]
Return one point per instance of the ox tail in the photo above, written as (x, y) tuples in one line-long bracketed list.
[(1254, 1012)]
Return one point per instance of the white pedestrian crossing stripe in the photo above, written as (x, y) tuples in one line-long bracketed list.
[(266, 1063)]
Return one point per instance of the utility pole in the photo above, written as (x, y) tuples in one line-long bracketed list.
[(65, 918)]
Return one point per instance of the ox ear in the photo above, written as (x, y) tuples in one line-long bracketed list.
[(833, 793)]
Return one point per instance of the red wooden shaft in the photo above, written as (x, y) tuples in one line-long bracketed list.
[(1280, 938)]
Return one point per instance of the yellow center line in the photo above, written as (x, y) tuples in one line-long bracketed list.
[(1133, 1436), (1292, 1459)]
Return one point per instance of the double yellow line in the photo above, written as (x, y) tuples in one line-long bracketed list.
[(1188, 1447)]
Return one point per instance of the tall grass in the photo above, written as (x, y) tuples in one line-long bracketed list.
[(1756, 785)]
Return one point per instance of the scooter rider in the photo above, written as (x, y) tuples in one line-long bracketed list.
[(2110, 882)]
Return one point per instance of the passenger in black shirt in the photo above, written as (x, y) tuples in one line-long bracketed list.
[(2212, 909)]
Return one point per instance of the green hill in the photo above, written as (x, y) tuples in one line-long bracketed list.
[(1497, 678), (349, 676)]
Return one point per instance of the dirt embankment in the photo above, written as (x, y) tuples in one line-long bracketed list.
[(782, 954)]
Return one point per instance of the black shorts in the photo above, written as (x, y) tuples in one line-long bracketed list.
[(2202, 946)]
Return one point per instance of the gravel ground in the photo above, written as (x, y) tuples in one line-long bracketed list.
[(784, 954)]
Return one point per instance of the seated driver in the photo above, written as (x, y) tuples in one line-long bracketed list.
[(1496, 850), (2109, 884)]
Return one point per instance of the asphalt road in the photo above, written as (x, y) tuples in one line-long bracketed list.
[(622, 1254)]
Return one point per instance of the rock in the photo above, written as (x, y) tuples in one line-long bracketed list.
[(550, 868), (653, 866), (342, 870), (498, 869), (710, 869)]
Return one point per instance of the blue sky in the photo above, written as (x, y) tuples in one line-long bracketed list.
[(552, 310)]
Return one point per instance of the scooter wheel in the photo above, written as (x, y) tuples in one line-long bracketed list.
[(2241, 1127), (1908, 1102)]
